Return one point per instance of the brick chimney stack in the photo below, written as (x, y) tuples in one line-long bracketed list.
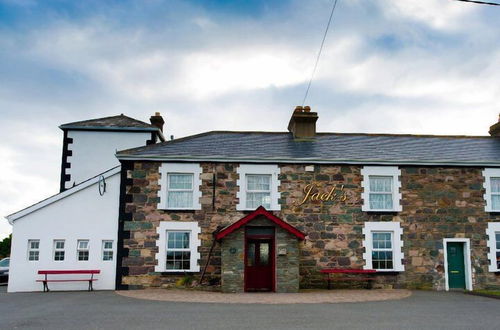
[(303, 123), (495, 129), (157, 120)]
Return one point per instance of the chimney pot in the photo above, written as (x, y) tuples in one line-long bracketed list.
[(302, 125), (157, 120)]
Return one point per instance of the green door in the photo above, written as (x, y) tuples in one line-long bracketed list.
[(456, 266)]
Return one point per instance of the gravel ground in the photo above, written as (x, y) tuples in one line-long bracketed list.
[(306, 297)]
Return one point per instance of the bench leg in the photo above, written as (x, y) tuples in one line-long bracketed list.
[(90, 286), (45, 286)]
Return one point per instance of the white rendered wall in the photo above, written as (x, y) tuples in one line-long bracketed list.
[(94, 151), (83, 215)]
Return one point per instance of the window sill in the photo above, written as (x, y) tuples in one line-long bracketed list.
[(380, 211)]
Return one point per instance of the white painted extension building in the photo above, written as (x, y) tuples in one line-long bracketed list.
[(77, 228)]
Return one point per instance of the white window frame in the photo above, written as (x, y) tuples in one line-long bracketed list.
[(179, 168), (253, 169), (30, 249), (392, 171), (59, 249), (397, 244), (489, 173), (104, 249), (78, 249), (194, 244), (491, 230)]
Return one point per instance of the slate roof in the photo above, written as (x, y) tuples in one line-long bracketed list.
[(120, 122), (274, 147)]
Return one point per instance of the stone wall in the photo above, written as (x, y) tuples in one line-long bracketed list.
[(438, 202)]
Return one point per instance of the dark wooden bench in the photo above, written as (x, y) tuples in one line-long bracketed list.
[(46, 280), (344, 272)]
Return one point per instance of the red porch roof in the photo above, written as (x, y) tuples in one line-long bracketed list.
[(260, 211)]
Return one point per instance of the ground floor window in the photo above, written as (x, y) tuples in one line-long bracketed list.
[(82, 250), (59, 250), (107, 250), (178, 251), (178, 245), (493, 232), (383, 246), (33, 249)]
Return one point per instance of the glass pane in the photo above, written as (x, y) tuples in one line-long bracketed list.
[(178, 260), (83, 255), (382, 259), (107, 256), (59, 244), (381, 183), (381, 201), (180, 199), (177, 240), (259, 182), (495, 202), (34, 244), (254, 200), (59, 256), (180, 181), (83, 244), (498, 260), (251, 254), (497, 238), (264, 254), (495, 185), (108, 245), (33, 256)]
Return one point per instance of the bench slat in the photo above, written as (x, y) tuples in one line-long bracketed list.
[(64, 272)]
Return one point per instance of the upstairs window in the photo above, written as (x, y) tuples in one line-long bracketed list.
[(107, 250), (381, 189), (180, 191), (491, 185), (258, 191), (258, 186), (82, 250), (33, 250), (59, 250), (180, 186)]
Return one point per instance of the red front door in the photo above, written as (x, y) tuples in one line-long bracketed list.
[(259, 264)]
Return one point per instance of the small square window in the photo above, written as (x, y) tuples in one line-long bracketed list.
[(33, 250), (83, 250), (59, 252), (107, 250)]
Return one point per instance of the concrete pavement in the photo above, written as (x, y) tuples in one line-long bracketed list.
[(108, 310)]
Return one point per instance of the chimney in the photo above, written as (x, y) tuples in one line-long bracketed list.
[(157, 120), (303, 123)]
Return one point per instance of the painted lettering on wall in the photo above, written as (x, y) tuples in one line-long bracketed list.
[(314, 193)]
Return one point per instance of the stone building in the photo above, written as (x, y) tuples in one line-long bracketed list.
[(269, 210)]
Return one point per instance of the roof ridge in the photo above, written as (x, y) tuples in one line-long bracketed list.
[(86, 121)]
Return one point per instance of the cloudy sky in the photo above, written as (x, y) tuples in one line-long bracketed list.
[(394, 66)]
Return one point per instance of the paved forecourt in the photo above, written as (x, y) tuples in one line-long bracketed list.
[(108, 310)]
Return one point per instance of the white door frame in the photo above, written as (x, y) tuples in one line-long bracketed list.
[(467, 261)]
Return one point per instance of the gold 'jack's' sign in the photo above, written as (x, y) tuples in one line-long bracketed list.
[(313, 193)]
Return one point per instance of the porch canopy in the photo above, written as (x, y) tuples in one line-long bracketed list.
[(260, 212)]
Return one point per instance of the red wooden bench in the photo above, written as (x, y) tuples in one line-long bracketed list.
[(348, 271), (90, 272)]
